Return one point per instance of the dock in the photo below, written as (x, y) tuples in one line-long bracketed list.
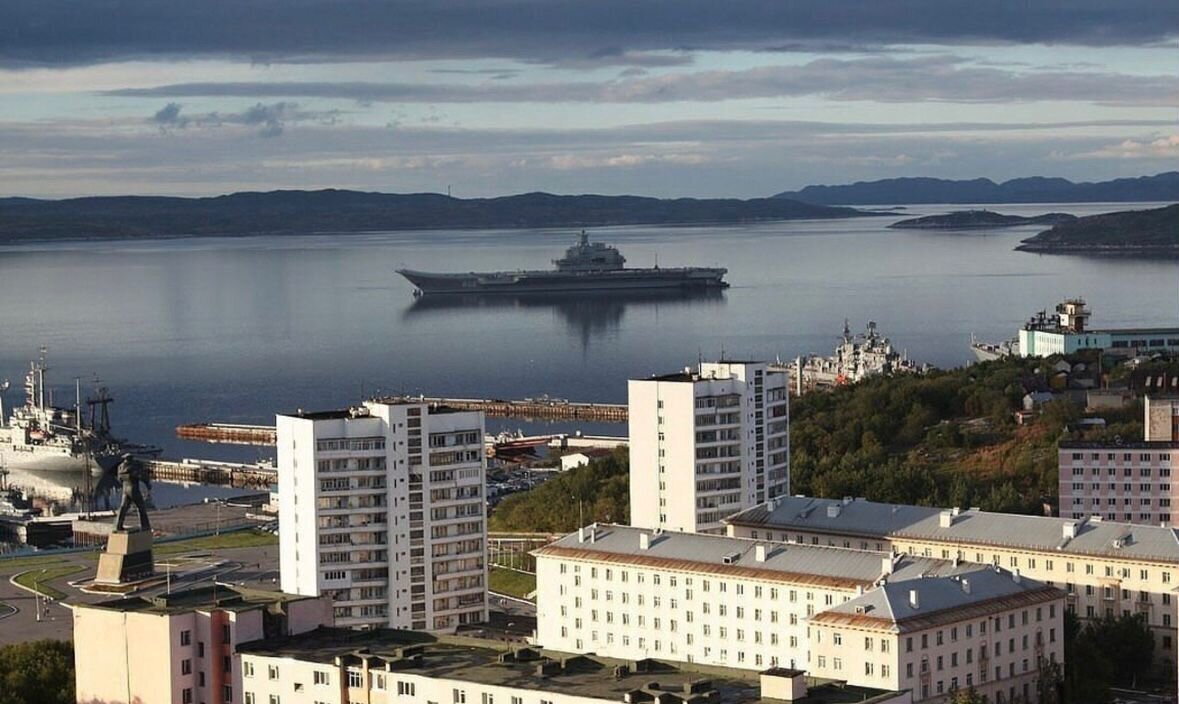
[(241, 476), (528, 409), (531, 408)]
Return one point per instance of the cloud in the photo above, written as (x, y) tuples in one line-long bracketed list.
[(66, 32), (1165, 147), (942, 77), (269, 120)]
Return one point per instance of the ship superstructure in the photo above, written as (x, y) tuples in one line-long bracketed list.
[(856, 358), (42, 436), (586, 266)]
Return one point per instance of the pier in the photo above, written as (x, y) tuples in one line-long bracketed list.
[(242, 476), (530, 408)]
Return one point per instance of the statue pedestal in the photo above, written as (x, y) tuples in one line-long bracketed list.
[(127, 558)]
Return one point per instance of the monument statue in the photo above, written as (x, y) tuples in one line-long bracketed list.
[(131, 473), (127, 559)]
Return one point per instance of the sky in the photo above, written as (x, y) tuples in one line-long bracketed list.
[(668, 98)]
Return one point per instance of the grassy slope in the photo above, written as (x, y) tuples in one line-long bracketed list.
[(511, 582)]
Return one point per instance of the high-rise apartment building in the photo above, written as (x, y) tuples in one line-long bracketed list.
[(707, 443), (382, 507)]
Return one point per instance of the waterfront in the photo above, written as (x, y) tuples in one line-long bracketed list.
[(233, 329)]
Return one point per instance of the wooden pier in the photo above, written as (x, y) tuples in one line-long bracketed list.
[(539, 409), (242, 476), (529, 408)]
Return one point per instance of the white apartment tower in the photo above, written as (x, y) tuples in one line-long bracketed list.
[(708, 443), (382, 507)]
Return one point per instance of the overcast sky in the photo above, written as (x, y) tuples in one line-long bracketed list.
[(650, 97)]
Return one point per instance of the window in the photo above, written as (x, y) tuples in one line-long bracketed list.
[(248, 669), (320, 677), (274, 699), (272, 672), (460, 696), (355, 679), (186, 637), (186, 667), (186, 695), (249, 698), (488, 698), (227, 694)]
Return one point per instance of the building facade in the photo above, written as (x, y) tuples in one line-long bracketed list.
[(706, 443), (718, 601), (331, 666), (1105, 568), (180, 648), (1067, 332), (1125, 481), (382, 507)]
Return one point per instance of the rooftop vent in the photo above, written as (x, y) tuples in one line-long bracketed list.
[(1015, 576), (965, 585), (1069, 529), (644, 541), (833, 510), (731, 558), (914, 599), (759, 553), (945, 519)]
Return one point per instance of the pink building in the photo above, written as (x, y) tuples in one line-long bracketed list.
[(180, 648), (1128, 481)]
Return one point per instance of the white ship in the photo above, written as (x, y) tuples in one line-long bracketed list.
[(857, 357), (989, 351), (41, 436)]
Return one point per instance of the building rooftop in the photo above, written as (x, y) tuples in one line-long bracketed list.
[(857, 517), (738, 557), (1115, 447), (362, 411), (221, 596), (529, 669), (939, 600)]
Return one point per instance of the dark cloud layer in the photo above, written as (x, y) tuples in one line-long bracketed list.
[(597, 32), (880, 79)]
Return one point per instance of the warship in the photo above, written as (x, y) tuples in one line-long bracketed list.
[(856, 358), (586, 266), (41, 436)]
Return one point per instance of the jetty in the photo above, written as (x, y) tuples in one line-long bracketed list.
[(234, 474), (229, 433)]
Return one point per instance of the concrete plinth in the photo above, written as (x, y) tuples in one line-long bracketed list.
[(127, 558)]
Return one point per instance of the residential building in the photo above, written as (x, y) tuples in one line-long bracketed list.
[(1126, 481), (837, 612), (179, 648), (383, 508), (1105, 568), (706, 443), (334, 666)]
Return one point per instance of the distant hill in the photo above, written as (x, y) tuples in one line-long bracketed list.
[(979, 220), (899, 191), (1129, 232), (353, 211)]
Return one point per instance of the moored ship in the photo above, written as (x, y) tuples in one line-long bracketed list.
[(41, 436), (586, 266)]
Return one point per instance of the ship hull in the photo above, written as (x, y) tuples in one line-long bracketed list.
[(43, 459), (516, 282)]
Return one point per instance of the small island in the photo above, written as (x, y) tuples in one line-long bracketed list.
[(979, 220), (1128, 232)]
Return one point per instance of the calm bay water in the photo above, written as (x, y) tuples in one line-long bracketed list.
[(234, 329)]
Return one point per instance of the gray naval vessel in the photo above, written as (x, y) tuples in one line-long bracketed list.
[(586, 266)]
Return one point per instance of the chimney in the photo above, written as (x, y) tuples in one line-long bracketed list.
[(644, 541), (886, 564), (1015, 575), (593, 533), (1070, 529), (914, 600), (581, 534), (759, 553), (945, 519), (833, 510), (965, 585)]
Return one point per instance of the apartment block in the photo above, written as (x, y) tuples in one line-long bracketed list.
[(179, 648), (873, 619), (333, 666), (706, 443), (382, 507), (1105, 568), (1125, 481)]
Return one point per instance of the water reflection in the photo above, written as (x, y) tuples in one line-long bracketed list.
[(588, 315)]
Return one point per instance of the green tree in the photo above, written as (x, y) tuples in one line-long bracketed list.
[(37, 672), (965, 696)]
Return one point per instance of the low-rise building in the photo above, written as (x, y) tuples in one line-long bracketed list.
[(714, 600), (333, 666), (1105, 568), (179, 648)]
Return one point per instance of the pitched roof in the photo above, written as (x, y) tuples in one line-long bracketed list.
[(1093, 537)]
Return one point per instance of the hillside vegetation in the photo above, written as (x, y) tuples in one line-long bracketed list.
[(1127, 232), (947, 438)]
